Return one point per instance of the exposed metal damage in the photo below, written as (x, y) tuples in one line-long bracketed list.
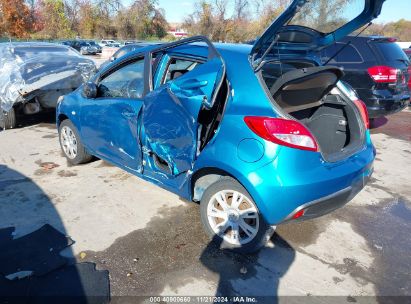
[(34, 75)]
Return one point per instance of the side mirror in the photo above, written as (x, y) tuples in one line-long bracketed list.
[(90, 90)]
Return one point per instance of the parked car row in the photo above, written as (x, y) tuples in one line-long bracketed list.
[(126, 49), (259, 134), (90, 47), (116, 44), (85, 47)]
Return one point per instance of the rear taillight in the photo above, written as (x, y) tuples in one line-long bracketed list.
[(383, 74), (363, 111), (281, 131), (298, 214), (409, 77)]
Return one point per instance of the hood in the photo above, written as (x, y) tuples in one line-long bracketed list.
[(310, 25)]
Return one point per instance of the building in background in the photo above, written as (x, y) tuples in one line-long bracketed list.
[(176, 31)]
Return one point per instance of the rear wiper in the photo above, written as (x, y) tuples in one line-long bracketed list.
[(347, 44)]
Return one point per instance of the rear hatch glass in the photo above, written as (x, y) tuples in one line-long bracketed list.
[(328, 16)]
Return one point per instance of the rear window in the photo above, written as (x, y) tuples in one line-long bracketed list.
[(33, 51), (328, 16), (391, 51)]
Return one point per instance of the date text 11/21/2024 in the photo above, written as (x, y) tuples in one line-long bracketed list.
[(202, 299)]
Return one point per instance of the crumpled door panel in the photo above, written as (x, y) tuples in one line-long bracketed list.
[(170, 129), (170, 115)]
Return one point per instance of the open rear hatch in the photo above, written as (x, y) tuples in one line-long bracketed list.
[(311, 96), (284, 58), (310, 25)]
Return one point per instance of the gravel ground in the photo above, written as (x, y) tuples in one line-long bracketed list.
[(153, 244)]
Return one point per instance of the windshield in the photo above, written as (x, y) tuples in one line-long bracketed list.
[(327, 16)]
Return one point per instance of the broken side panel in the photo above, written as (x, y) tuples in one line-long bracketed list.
[(40, 70)]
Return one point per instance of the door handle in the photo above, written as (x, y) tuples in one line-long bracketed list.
[(193, 84)]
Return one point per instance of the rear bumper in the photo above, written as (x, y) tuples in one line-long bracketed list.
[(299, 180), (382, 102), (387, 107), (331, 202)]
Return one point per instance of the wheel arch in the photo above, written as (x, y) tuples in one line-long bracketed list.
[(206, 176), (61, 117)]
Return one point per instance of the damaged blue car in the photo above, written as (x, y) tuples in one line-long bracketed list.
[(260, 135)]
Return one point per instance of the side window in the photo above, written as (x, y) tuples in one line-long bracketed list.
[(348, 55), (178, 67), (126, 82)]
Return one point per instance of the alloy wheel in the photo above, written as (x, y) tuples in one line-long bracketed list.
[(68, 142), (233, 217)]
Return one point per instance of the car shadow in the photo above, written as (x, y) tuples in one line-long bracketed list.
[(378, 122), (249, 275), (30, 228), (45, 117)]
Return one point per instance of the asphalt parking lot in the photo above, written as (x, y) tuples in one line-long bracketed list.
[(152, 242)]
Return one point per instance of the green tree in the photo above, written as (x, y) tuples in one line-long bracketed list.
[(201, 21), (147, 20), (55, 22)]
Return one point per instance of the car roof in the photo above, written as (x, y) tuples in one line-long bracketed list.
[(365, 38), (32, 44), (199, 49)]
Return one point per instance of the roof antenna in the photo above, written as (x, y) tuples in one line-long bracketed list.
[(347, 44)]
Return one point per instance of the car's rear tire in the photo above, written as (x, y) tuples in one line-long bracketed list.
[(8, 119), (231, 218), (71, 145)]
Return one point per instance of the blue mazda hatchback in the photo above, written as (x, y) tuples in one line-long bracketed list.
[(259, 135)]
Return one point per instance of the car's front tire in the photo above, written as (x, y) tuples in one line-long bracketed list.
[(71, 145), (231, 218)]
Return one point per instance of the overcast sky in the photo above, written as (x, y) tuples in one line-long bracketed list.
[(176, 10)]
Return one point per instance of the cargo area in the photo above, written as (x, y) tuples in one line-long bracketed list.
[(309, 94)]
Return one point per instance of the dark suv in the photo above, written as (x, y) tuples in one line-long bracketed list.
[(377, 68)]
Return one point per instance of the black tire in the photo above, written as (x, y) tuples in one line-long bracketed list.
[(8, 119), (263, 234), (372, 122), (82, 156)]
